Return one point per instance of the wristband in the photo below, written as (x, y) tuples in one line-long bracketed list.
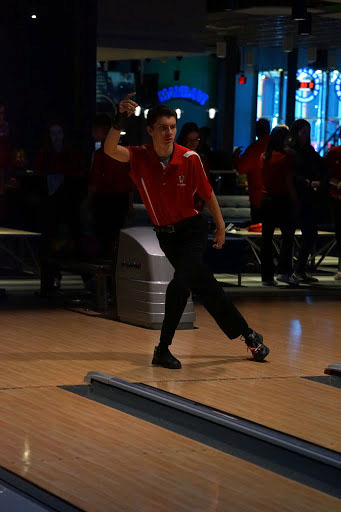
[(119, 121)]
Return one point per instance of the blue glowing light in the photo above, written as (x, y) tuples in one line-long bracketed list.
[(308, 95), (338, 87), (183, 91)]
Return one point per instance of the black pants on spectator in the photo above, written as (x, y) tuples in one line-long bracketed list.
[(60, 208), (277, 212), (256, 214), (184, 249), (336, 212), (109, 214), (307, 222)]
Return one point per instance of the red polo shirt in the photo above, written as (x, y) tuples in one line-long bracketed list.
[(249, 163), (168, 192), (276, 173)]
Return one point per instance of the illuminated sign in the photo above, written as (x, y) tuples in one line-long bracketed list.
[(306, 85), (183, 91), (309, 84), (338, 87)]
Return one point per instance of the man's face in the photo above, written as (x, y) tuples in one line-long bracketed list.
[(163, 131), (304, 135), (56, 135), (192, 141)]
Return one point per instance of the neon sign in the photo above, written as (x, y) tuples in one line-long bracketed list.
[(183, 91), (309, 84), (306, 85), (338, 87)]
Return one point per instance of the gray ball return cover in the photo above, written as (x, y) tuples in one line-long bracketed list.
[(142, 275)]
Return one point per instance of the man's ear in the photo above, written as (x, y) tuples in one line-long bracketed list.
[(150, 130)]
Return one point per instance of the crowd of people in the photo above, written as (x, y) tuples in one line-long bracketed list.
[(289, 183), (80, 208)]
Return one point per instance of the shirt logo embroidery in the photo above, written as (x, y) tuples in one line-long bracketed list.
[(181, 180)]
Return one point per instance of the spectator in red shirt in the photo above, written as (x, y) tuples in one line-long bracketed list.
[(110, 191), (278, 205), (189, 137), (167, 176), (333, 160), (249, 164)]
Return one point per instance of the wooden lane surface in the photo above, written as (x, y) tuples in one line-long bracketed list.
[(305, 409), (56, 347), (103, 460)]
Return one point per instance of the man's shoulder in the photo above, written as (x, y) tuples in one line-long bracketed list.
[(185, 153), (144, 149)]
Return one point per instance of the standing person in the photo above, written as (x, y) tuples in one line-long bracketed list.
[(333, 159), (309, 179), (63, 168), (110, 191), (189, 137), (279, 203), (249, 164), (167, 176)]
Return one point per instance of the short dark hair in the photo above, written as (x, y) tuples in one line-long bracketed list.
[(262, 127), (2, 102), (102, 121), (277, 140), (159, 111), (293, 140)]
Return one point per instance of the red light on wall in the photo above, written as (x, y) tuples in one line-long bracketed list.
[(242, 80), (307, 85)]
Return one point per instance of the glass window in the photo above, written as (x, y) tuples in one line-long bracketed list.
[(333, 106), (310, 104), (271, 96)]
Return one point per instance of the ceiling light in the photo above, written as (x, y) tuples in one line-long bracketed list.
[(211, 113)]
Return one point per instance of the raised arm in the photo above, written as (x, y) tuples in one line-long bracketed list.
[(111, 147)]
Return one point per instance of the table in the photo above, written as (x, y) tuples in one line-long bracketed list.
[(251, 237), (24, 237)]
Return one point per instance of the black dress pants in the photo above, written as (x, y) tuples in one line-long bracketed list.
[(184, 249), (308, 224), (277, 212)]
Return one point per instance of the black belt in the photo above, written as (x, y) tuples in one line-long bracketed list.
[(172, 228)]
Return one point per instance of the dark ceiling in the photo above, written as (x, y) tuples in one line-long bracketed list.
[(266, 23)]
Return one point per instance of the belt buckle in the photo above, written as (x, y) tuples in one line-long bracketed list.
[(171, 229)]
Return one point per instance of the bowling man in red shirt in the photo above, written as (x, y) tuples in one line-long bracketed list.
[(167, 176)]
